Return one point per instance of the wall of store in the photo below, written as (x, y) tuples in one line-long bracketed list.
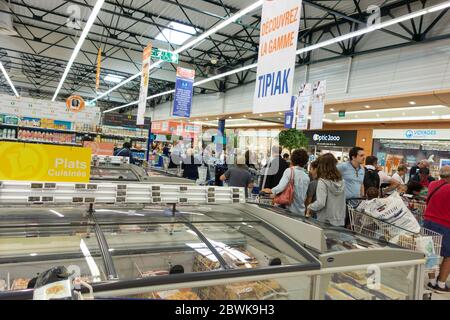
[(419, 68)]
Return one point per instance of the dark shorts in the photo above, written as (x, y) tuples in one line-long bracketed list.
[(444, 231)]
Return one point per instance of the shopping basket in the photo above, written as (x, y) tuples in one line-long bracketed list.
[(426, 240)]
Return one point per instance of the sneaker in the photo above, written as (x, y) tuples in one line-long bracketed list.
[(430, 286), (439, 289)]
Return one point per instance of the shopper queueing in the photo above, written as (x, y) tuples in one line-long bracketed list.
[(299, 159), (125, 152), (400, 175), (330, 204), (311, 194), (190, 165), (423, 177), (352, 173), (437, 218), (273, 171), (415, 169), (371, 176), (375, 177), (239, 175), (287, 158)]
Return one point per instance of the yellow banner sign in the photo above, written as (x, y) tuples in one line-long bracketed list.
[(39, 162)]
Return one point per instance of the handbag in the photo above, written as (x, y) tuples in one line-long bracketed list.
[(287, 196)]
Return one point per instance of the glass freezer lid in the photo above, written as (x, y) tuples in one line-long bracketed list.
[(249, 245), (25, 252), (42, 215), (145, 250), (113, 174), (164, 213)]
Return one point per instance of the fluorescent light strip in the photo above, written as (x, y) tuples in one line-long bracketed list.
[(393, 109), (8, 79), (57, 213), (418, 118), (192, 43), (95, 272), (313, 47), (77, 48)]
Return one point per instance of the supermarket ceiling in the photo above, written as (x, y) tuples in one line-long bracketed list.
[(37, 39)]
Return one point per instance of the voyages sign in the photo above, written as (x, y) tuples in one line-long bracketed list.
[(277, 51)]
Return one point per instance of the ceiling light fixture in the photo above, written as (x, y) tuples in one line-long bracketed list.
[(367, 107), (395, 109), (77, 48), (413, 103), (309, 48), (173, 35), (418, 118), (8, 80), (113, 78), (190, 44), (331, 109)]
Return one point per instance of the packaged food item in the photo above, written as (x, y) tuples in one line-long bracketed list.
[(355, 277), (3, 285), (387, 293), (20, 284), (354, 292), (335, 294)]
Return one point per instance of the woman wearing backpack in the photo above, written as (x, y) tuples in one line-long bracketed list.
[(296, 180), (330, 204)]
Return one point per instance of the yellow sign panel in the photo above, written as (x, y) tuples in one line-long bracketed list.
[(39, 162)]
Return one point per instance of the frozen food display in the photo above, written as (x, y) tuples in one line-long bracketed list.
[(157, 251)]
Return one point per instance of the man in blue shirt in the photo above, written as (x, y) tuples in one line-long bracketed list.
[(125, 152), (353, 174)]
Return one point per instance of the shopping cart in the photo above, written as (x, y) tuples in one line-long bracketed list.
[(417, 207), (426, 240)]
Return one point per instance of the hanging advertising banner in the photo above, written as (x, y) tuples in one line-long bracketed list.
[(184, 91), (99, 63), (146, 60), (318, 104), (289, 117), (39, 162), (303, 103), (276, 59)]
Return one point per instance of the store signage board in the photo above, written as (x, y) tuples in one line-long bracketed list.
[(342, 138), (46, 109), (280, 23), (318, 104), (100, 148), (413, 134), (165, 55), (146, 60), (39, 162), (184, 91), (303, 106), (341, 114), (122, 120)]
